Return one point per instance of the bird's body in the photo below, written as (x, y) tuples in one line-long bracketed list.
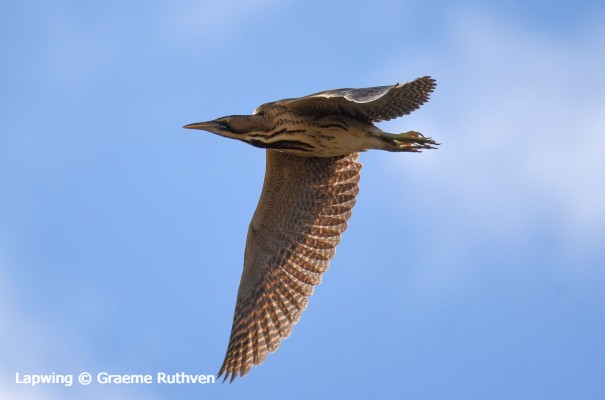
[(310, 186), (324, 136)]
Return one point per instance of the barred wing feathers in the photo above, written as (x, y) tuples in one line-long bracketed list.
[(303, 210), (373, 104)]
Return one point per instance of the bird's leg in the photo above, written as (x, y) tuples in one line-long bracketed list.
[(408, 141)]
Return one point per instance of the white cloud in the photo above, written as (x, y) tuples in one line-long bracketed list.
[(72, 47), (34, 343), (521, 117), (15, 332), (522, 122), (209, 21)]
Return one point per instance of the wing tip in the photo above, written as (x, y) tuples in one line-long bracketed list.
[(229, 374), (426, 80), (432, 82)]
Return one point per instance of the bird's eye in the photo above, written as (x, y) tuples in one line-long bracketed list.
[(226, 125)]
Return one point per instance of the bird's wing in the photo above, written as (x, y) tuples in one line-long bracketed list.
[(374, 104), (302, 212)]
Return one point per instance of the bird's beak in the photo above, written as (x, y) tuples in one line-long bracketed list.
[(211, 126)]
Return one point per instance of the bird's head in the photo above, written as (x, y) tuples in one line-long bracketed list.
[(233, 126)]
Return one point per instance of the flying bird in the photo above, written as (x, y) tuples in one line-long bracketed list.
[(311, 178)]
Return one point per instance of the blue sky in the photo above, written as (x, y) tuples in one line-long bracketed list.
[(473, 271)]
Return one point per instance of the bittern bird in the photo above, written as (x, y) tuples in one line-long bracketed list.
[(310, 186)]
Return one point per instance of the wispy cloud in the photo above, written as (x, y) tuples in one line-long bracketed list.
[(35, 343), (16, 337), (522, 120), (208, 22)]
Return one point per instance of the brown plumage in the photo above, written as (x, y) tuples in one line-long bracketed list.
[(290, 242), (373, 104), (309, 190)]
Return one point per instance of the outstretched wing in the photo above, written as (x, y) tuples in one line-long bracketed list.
[(374, 104), (301, 214)]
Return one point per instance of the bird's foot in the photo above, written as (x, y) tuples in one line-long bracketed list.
[(408, 141)]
